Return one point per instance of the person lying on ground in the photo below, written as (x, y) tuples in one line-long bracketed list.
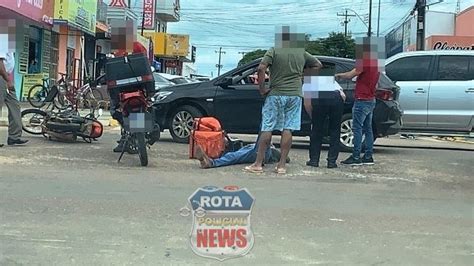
[(246, 154)]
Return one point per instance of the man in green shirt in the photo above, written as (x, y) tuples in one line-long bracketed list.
[(282, 108)]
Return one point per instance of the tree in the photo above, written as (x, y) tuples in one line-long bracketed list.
[(336, 44), (250, 56)]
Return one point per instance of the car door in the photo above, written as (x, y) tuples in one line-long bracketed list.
[(451, 96), (412, 74), (238, 106)]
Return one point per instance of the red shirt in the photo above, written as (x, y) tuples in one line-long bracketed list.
[(366, 83), (137, 48)]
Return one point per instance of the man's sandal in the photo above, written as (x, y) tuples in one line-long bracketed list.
[(280, 171), (254, 170)]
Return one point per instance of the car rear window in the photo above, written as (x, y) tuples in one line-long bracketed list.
[(453, 67), (385, 82), (471, 68)]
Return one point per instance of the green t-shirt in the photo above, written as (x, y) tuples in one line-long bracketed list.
[(286, 69)]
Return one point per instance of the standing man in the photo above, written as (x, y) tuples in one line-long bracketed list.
[(323, 106), (123, 42), (367, 73), (282, 108), (7, 92)]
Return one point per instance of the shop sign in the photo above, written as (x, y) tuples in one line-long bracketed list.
[(177, 45), (454, 46), (78, 13), (38, 10), (148, 14)]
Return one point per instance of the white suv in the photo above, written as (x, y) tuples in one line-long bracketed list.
[(436, 90)]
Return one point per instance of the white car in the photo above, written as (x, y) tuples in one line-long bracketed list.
[(436, 90), (174, 78)]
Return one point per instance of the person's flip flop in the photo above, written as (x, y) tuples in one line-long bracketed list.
[(251, 169), (281, 171)]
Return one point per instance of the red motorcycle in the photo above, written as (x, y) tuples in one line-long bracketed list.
[(130, 84)]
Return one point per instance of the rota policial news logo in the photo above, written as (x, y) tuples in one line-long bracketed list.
[(221, 222)]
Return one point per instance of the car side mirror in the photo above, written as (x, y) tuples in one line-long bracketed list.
[(225, 82)]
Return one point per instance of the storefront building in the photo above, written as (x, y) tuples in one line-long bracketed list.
[(33, 54), (75, 25), (443, 31), (461, 35)]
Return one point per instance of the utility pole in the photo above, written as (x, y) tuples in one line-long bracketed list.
[(219, 66), (378, 21), (369, 32), (346, 20), (420, 28)]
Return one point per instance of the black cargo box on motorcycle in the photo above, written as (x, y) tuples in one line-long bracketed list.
[(127, 73)]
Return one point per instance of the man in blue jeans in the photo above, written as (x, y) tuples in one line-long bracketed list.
[(246, 154), (367, 73)]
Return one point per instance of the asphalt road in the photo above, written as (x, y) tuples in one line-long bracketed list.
[(73, 204)]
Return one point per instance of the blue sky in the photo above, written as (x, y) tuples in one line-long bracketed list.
[(245, 25)]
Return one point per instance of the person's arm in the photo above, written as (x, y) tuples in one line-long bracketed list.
[(267, 60), (4, 75), (262, 68), (349, 75), (308, 107)]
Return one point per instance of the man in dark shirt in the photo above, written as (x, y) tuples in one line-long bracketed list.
[(367, 73)]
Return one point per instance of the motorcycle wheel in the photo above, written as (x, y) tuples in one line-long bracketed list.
[(33, 121), (141, 146)]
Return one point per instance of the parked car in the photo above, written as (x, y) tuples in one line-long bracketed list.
[(436, 90), (174, 78), (234, 99), (160, 81)]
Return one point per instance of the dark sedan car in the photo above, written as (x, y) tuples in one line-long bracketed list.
[(234, 99)]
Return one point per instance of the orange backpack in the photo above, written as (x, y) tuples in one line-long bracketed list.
[(207, 133)]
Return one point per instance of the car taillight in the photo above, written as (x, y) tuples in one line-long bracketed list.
[(386, 95)]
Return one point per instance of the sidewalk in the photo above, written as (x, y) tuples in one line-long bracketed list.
[(105, 119)]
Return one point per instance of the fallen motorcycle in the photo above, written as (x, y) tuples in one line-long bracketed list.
[(62, 126)]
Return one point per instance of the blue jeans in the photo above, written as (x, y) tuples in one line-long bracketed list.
[(247, 154), (362, 113)]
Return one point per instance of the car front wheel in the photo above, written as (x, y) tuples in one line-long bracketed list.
[(181, 122)]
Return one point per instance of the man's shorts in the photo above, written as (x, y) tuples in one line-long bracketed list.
[(281, 113)]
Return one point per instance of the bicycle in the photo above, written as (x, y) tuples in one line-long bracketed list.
[(86, 96), (65, 95), (40, 94)]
